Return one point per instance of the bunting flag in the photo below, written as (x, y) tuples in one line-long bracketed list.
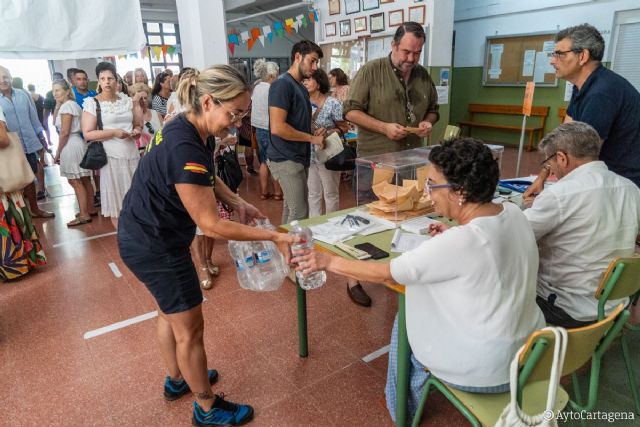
[(279, 28), (157, 53), (165, 48), (144, 52), (171, 50)]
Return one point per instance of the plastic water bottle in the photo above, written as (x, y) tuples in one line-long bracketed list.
[(315, 279), (278, 262), (242, 254)]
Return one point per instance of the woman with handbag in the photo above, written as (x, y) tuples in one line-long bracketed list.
[(71, 149), (174, 189), (327, 114), (121, 119), (20, 248)]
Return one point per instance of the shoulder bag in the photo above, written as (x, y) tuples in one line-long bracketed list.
[(15, 173), (513, 415), (228, 169), (95, 157), (345, 160)]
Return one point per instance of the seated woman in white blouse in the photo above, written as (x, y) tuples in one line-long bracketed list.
[(470, 290)]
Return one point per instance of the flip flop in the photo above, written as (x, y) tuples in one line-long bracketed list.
[(79, 221), (43, 214), (277, 197), (266, 196)]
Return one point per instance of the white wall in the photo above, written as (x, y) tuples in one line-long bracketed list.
[(475, 20), (89, 65), (438, 19)]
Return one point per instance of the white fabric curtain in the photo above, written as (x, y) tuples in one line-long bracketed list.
[(69, 29)]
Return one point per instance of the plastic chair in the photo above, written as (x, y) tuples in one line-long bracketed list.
[(585, 343), (451, 132), (621, 280)]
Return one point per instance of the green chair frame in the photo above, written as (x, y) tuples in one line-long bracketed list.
[(584, 343), (621, 280)]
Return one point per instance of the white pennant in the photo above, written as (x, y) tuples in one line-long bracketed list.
[(261, 38), (245, 36), (266, 30)]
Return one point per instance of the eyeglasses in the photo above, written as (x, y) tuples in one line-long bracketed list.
[(561, 53), (234, 117), (428, 186), (545, 161)]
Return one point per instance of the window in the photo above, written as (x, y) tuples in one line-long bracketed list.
[(163, 34)]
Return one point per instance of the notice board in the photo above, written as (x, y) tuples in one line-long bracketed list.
[(517, 59)]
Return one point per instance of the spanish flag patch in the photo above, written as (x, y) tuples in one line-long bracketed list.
[(196, 168)]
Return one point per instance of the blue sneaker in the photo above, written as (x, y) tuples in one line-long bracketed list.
[(222, 413), (176, 389)]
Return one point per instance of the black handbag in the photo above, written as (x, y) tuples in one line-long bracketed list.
[(95, 157), (228, 169), (345, 160)]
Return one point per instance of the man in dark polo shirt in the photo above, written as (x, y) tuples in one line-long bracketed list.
[(600, 98), (289, 150)]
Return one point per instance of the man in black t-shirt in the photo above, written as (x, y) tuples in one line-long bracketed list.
[(290, 125)]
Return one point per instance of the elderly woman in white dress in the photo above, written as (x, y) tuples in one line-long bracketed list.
[(122, 119), (71, 149)]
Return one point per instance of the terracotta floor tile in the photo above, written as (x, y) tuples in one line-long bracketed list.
[(351, 397), (155, 412), (224, 342), (123, 345), (360, 334), (296, 410)]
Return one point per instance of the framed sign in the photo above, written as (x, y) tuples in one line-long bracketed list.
[(386, 1), (351, 6), (376, 22), (334, 7), (360, 24), (370, 4), (345, 28), (396, 17), (330, 29), (416, 14)]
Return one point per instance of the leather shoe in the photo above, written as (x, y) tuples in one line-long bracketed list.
[(358, 295)]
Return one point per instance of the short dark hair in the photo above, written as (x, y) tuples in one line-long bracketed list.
[(57, 76), (31, 87), (469, 166), (106, 66), (321, 77), (584, 36), (305, 47), (409, 27), (341, 77), (71, 72), (79, 70), (125, 88)]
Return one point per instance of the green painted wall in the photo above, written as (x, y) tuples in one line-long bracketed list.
[(466, 88), (438, 129)]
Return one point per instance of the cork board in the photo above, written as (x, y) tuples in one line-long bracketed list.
[(517, 59)]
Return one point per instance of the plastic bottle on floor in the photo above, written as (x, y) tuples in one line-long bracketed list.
[(315, 279)]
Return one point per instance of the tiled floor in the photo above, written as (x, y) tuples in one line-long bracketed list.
[(51, 376)]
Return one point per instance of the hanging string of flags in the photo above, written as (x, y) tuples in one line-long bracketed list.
[(156, 52), (279, 28)]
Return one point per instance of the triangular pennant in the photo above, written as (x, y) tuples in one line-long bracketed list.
[(304, 22), (312, 17), (266, 30), (270, 37), (232, 48), (261, 38), (165, 48), (171, 50), (250, 43), (233, 38), (315, 15), (245, 36), (288, 22), (178, 48), (144, 52), (255, 33), (157, 52)]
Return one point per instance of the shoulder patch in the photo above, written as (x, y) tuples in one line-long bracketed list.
[(196, 168)]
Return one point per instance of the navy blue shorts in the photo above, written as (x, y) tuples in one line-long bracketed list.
[(170, 277)]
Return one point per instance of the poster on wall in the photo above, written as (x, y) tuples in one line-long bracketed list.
[(416, 14), (334, 7), (386, 1), (370, 4), (360, 24), (376, 22), (351, 6), (330, 29)]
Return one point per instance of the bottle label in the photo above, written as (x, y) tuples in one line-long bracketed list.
[(250, 261), (263, 257), (240, 265)]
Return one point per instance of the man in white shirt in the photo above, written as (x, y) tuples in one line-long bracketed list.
[(581, 223)]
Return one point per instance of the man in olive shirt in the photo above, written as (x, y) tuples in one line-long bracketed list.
[(389, 94)]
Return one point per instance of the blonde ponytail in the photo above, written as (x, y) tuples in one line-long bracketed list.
[(222, 82)]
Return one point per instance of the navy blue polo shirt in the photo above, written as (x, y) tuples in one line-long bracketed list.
[(290, 95), (610, 104), (152, 212)]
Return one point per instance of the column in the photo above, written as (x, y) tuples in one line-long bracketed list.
[(203, 32)]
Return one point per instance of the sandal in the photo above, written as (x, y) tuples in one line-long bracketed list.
[(90, 214), (266, 196), (277, 197), (207, 283), (43, 214), (79, 221), (214, 270)]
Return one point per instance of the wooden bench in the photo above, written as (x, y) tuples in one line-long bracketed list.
[(540, 113)]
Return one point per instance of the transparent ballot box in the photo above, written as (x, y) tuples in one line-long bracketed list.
[(497, 151), (390, 187)]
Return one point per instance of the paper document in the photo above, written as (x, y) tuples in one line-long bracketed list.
[(404, 242), (528, 63), (418, 225), (332, 147)]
